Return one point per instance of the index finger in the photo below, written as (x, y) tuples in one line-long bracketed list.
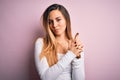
[(76, 36)]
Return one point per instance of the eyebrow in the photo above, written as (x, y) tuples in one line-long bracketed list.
[(56, 17)]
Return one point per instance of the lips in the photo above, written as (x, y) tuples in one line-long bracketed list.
[(56, 30)]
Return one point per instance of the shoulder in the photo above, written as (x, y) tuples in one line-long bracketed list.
[(39, 44), (39, 41)]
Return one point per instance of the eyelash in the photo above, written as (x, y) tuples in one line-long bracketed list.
[(51, 21), (58, 19)]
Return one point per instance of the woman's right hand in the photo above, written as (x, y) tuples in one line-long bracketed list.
[(75, 45)]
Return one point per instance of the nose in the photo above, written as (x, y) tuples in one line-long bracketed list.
[(55, 24)]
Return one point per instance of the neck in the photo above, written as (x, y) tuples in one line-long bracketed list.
[(61, 38), (62, 44)]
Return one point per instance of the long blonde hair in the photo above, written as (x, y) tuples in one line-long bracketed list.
[(49, 42)]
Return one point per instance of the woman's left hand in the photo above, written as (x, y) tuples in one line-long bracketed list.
[(78, 44)]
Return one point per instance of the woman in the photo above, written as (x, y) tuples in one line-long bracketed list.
[(58, 56)]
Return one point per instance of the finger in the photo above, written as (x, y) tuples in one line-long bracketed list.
[(75, 45), (80, 46), (78, 56), (78, 42), (76, 36), (80, 51)]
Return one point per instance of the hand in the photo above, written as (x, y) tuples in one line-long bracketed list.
[(76, 46)]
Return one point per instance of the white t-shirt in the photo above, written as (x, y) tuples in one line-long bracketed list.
[(68, 66)]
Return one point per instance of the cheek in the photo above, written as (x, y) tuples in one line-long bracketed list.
[(63, 24), (51, 28)]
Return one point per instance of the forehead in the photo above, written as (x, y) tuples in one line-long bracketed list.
[(55, 13)]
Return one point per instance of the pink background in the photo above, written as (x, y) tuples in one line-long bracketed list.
[(97, 21)]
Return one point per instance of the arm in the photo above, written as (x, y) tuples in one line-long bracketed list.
[(78, 72), (50, 73)]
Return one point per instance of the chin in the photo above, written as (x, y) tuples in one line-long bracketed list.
[(57, 34)]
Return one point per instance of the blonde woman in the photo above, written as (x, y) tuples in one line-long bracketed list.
[(59, 56)]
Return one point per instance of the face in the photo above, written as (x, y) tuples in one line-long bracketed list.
[(57, 22)]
